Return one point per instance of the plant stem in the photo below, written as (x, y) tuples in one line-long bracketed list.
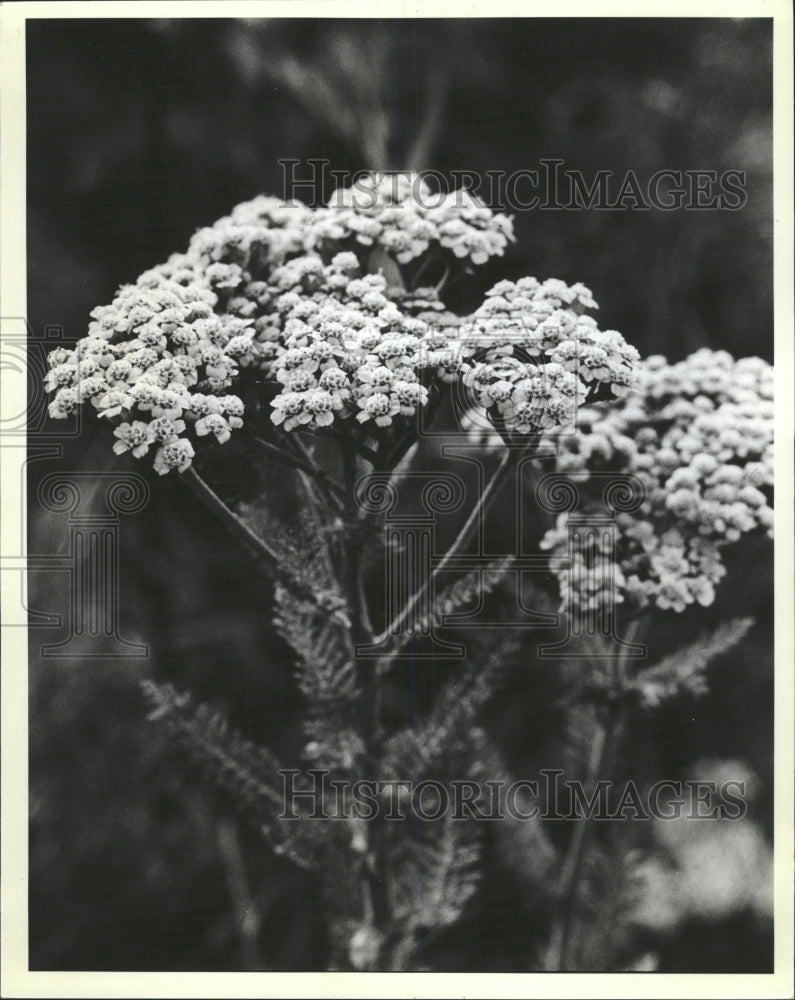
[(247, 915), (211, 499), (333, 490), (605, 741), (361, 630), (486, 499), (238, 527), (372, 867)]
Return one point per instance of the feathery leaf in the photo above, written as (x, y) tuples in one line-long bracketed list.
[(465, 591), (685, 670), (244, 771), (438, 874), (449, 729)]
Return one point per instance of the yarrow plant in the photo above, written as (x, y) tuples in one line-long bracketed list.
[(698, 435), (289, 294), (283, 325)]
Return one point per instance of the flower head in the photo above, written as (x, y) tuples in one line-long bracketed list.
[(698, 435), (282, 292)]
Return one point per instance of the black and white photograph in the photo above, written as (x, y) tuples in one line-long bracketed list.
[(399, 583)]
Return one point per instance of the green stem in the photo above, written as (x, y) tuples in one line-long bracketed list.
[(361, 630), (210, 498), (605, 741), (481, 508), (238, 527), (334, 492), (372, 867)]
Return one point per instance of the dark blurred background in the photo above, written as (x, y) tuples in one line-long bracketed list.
[(141, 131)]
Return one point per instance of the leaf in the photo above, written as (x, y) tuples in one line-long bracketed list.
[(450, 728), (462, 593), (324, 662), (244, 771), (439, 872), (333, 746), (684, 672), (304, 559), (606, 898)]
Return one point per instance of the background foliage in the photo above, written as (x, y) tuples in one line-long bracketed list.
[(138, 133)]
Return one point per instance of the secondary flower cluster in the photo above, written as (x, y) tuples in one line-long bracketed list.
[(542, 356), (157, 355), (545, 321), (699, 437), (341, 347), (267, 289), (346, 349), (400, 214)]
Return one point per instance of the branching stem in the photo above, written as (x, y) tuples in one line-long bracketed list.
[(605, 742), (238, 527), (332, 489), (481, 508)]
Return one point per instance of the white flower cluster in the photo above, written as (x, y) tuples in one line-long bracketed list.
[(341, 347), (543, 356), (402, 215), (346, 349), (267, 290), (699, 437), (157, 353)]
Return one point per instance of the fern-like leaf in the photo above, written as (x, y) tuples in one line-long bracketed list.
[(462, 593), (302, 550), (450, 729), (324, 663), (242, 770), (606, 899), (438, 874), (478, 582), (684, 672)]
